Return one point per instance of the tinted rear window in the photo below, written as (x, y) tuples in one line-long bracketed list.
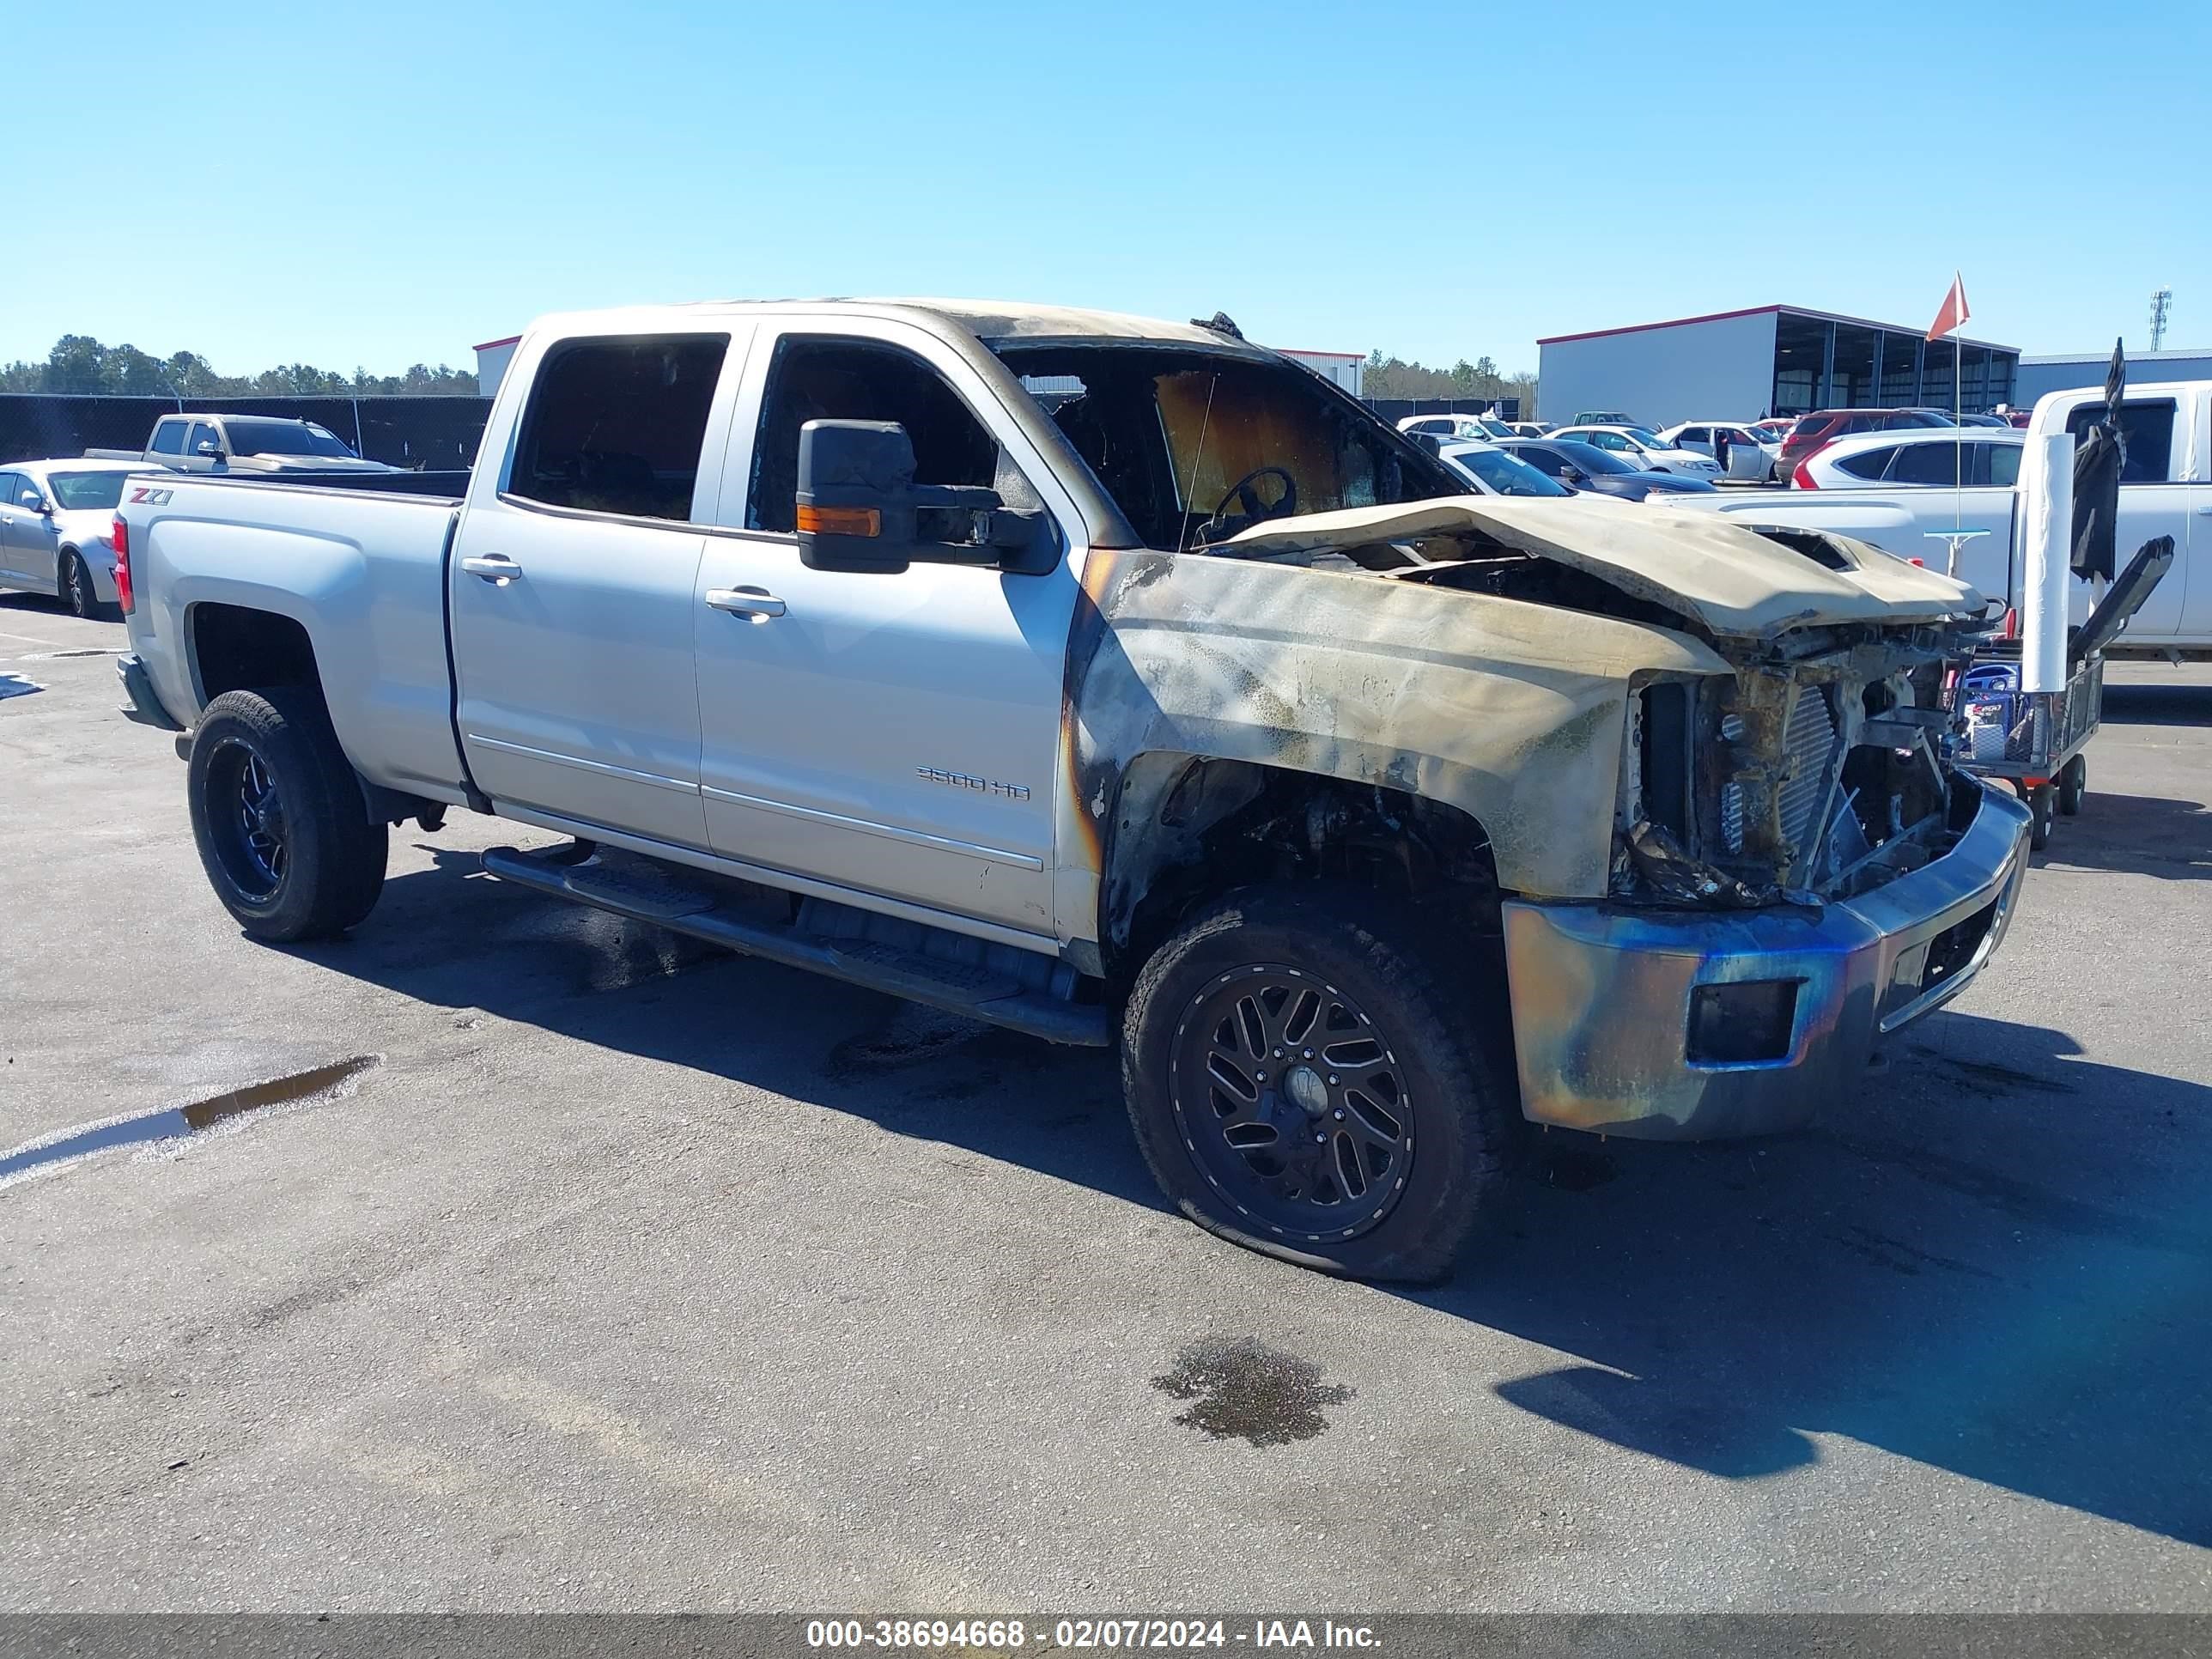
[(1868, 465), (2148, 430), (617, 425)]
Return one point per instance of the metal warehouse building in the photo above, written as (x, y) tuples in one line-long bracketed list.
[(1768, 359), (2039, 375)]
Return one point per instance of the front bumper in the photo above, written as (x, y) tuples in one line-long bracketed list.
[(1603, 995)]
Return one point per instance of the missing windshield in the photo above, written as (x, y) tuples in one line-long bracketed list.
[(1195, 446)]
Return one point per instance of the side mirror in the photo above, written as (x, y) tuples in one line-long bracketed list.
[(1573, 476), (860, 510), (37, 504), (210, 448)]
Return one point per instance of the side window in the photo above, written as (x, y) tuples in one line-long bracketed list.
[(616, 425), (2003, 465), (168, 437), (1935, 462), (11, 489), (202, 434), (1693, 435), (2148, 430), (1549, 462), (1868, 465), (816, 378)]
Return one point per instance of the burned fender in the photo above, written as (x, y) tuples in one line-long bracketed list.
[(1510, 711)]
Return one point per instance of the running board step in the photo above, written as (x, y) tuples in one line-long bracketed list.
[(647, 892)]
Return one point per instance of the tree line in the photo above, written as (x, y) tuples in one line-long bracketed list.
[(1392, 377), (78, 364)]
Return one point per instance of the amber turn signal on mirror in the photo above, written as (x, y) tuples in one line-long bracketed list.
[(839, 520)]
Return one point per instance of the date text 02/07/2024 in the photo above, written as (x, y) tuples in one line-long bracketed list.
[(1011, 1635)]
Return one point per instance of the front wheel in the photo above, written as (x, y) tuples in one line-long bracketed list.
[(278, 817), (2073, 784), (1306, 1078)]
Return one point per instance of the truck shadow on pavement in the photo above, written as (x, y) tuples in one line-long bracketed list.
[(2000, 1266), (458, 938)]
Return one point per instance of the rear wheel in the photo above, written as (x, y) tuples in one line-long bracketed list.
[(1305, 1079), (278, 817), (2039, 803), (78, 592)]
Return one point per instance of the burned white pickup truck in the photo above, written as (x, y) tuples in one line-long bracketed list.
[(1118, 682)]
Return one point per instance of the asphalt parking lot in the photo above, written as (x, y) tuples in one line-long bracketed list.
[(627, 1275)]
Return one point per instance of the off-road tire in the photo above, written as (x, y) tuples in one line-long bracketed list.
[(1465, 1122), (333, 858)]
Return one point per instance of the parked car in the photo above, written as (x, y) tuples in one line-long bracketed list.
[(1494, 470), (1751, 456), (2165, 487), (1603, 417), (1162, 733), (244, 443), (1599, 471), (1949, 456), (56, 519), (1825, 425), (1972, 419), (1444, 427), (1530, 428), (1644, 449)]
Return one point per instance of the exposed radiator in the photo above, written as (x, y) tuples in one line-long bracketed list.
[(1810, 741)]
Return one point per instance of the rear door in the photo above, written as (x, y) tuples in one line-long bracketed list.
[(897, 735), (572, 582), (167, 445)]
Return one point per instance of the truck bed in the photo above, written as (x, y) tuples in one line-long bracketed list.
[(358, 560)]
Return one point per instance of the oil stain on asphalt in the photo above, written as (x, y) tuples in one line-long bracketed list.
[(176, 1122), (1246, 1390)]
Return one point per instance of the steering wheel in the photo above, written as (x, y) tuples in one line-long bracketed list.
[(1245, 493)]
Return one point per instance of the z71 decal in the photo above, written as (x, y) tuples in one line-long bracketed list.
[(151, 495)]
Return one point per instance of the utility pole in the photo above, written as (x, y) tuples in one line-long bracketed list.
[(2161, 302)]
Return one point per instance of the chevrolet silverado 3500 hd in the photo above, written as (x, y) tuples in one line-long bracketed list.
[(1115, 681)]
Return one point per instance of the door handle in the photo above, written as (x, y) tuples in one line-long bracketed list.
[(754, 604), (494, 567)]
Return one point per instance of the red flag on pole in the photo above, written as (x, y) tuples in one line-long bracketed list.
[(1954, 310)]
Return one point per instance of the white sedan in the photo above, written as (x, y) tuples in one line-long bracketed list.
[(57, 519), (1751, 456), (1644, 449), (1944, 456)]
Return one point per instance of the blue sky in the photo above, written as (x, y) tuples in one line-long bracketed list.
[(379, 185)]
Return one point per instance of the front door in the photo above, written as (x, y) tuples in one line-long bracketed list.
[(572, 587), (896, 734), (14, 547)]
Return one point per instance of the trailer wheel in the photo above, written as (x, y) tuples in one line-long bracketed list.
[(2039, 802), (2073, 784)]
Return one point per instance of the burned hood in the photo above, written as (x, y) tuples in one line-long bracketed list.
[(1732, 580)]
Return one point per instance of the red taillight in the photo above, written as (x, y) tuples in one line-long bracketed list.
[(119, 538), (1801, 479)]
